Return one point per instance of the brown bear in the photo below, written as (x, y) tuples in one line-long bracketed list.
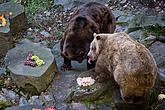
[(126, 61), (91, 18)]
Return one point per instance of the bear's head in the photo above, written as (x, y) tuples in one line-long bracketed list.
[(78, 37), (96, 47)]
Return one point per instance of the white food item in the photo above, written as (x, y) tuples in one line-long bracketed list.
[(85, 81), (161, 97)]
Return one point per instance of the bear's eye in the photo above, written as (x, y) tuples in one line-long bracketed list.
[(93, 48), (81, 53)]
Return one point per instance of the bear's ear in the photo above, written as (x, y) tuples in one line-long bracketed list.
[(98, 37), (81, 21), (94, 34)]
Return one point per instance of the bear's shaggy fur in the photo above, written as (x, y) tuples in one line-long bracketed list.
[(126, 61), (91, 18)]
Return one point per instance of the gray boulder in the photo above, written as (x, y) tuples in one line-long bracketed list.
[(138, 35), (141, 37), (141, 21), (15, 23), (79, 106), (158, 51), (122, 20), (88, 93), (69, 4), (31, 79), (18, 19), (4, 102), (26, 107)]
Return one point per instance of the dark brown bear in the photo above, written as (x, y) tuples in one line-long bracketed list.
[(91, 18)]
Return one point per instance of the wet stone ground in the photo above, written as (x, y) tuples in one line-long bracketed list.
[(47, 29), (63, 87)]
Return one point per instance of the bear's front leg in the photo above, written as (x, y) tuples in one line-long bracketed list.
[(101, 77), (101, 73), (66, 65)]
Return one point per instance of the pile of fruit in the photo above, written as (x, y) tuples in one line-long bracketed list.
[(33, 60)]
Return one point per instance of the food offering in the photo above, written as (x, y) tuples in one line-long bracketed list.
[(85, 81), (3, 21), (33, 61)]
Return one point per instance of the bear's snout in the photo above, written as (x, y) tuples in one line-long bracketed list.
[(90, 59)]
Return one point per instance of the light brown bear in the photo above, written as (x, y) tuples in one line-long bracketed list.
[(128, 62)]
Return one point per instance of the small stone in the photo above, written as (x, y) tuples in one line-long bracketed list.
[(2, 71), (9, 79), (48, 14), (162, 73), (123, 1), (30, 29), (48, 97), (34, 97), (49, 29), (10, 94), (4, 102), (26, 107), (125, 6), (79, 106), (105, 107), (23, 101), (45, 12), (29, 33), (35, 100), (161, 39), (161, 106), (61, 106), (36, 30), (106, 5), (150, 38), (118, 13), (44, 43), (71, 13), (44, 33), (2, 81), (59, 21), (36, 39), (120, 29), (7, 83), (2, 98)]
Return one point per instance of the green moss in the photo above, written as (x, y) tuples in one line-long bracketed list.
[(122, 24), (4, 104), (105, 99), (2, 81), (59, 34), (34, 6), (156, 30)]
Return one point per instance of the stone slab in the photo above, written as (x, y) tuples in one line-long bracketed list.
[(17, 22), (39, 77)]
